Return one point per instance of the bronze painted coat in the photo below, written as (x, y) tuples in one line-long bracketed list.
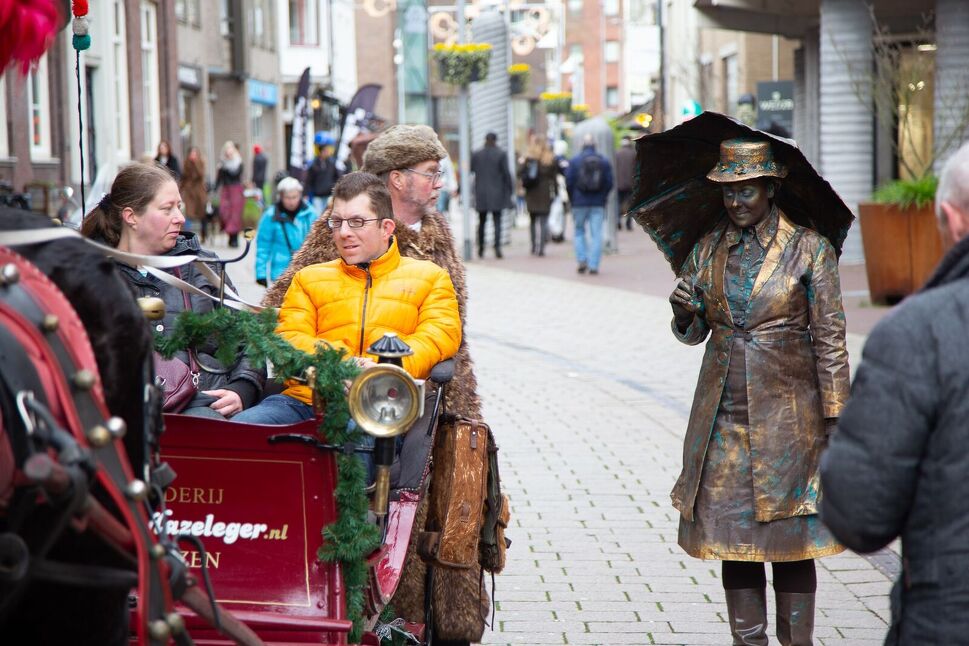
[(797, 366)]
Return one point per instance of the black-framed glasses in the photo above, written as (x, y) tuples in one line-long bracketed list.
[(434, 177), (354, 223)]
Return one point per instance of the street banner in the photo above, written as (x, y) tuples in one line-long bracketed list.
[(359, 114), (299, 150)]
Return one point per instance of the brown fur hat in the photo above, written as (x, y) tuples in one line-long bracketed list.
[(402, 146)]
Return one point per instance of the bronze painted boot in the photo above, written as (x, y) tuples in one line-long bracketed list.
[(747, 612), (795, 618)]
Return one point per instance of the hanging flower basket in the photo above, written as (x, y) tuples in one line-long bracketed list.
[(518, 75), (460, 64), (580, 112), (557, 102)]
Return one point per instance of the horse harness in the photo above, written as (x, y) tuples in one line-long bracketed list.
[(57, 444)]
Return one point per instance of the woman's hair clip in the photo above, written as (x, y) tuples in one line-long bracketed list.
[(105, 202)]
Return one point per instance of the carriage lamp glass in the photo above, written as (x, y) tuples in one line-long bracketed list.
[(385, 401)]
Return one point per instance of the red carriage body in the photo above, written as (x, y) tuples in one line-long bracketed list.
[(259, 510)]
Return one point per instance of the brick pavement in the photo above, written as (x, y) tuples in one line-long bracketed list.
[(589, 396)]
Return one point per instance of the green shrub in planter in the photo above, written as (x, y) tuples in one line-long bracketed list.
[(906, 193)]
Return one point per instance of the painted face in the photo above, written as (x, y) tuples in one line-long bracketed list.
[(365, 243), (422, 189), (156, 229), (748, 202), (290, 200)]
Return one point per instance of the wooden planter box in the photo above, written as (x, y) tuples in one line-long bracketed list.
[(902, 248)]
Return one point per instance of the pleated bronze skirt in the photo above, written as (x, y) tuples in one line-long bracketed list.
[(723, 525)]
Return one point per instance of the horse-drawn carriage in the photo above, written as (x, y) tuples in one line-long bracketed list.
[(209, 531)]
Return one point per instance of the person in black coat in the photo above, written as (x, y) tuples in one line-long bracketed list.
[(492, 188), (164, 157), (898, 463), (320, 178)]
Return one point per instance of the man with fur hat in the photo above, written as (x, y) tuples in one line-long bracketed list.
[(408, 158)]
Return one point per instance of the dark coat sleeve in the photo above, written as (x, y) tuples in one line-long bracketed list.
[(870, 469)]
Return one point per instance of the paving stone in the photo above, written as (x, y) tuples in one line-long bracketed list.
[(591, 442)]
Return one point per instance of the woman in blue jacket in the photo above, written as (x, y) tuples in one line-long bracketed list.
[(282, 229)]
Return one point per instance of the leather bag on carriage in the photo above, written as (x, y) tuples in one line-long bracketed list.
[(455, 526)]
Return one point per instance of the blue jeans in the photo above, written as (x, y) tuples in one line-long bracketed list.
[(282, 409), (319, 203), (593, 215)]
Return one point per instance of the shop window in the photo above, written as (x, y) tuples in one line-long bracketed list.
[(38, 103), (303, 22), (256, 113), (188, 11), (149, 76), (610, 7), (731, 84), (611, 51), (259, 23), (612, 97)]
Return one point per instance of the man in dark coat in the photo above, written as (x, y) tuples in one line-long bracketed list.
[(492, 188), (625, 172), (259, 164), (320, 178), (897, 464)]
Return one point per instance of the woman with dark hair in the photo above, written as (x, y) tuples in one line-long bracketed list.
[(773, 382), (142, 215), (164, 157)]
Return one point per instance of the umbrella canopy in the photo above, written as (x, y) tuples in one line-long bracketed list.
[(677, 205)]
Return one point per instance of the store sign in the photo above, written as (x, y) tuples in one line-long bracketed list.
[(263, 93), (190, 77), (775, 107)]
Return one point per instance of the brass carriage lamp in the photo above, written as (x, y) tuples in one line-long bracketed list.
[(385, 401)]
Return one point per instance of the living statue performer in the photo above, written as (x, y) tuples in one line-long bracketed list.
[(772, 384)]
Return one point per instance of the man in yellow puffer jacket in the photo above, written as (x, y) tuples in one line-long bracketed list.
[(351, 302)]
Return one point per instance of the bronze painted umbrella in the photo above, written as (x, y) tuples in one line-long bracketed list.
[(677, 205)]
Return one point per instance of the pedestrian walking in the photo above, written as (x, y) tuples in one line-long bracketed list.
[(538, 174), (228, 181), (450, 186), (493, 189), (589, 180), (408, 158), (194, 195), (773, 381), (625, 173), (321, 177), (282, 229), (260, 164), (897, 463), (164, 157)]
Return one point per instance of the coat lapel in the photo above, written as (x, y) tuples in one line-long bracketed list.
[(785, 231), (719, 265)]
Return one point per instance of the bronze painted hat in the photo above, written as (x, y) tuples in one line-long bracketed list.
[(742, 159), (675, 201)]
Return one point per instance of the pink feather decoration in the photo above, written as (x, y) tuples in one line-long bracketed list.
[(27, 28)]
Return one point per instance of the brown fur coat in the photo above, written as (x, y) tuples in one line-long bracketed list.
[(459, 599)]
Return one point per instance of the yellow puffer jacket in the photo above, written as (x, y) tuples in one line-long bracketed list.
[(349, 307)]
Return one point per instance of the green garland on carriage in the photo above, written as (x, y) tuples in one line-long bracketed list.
[(351, 539)]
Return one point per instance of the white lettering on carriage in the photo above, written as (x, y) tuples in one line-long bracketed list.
[(229, 532)]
